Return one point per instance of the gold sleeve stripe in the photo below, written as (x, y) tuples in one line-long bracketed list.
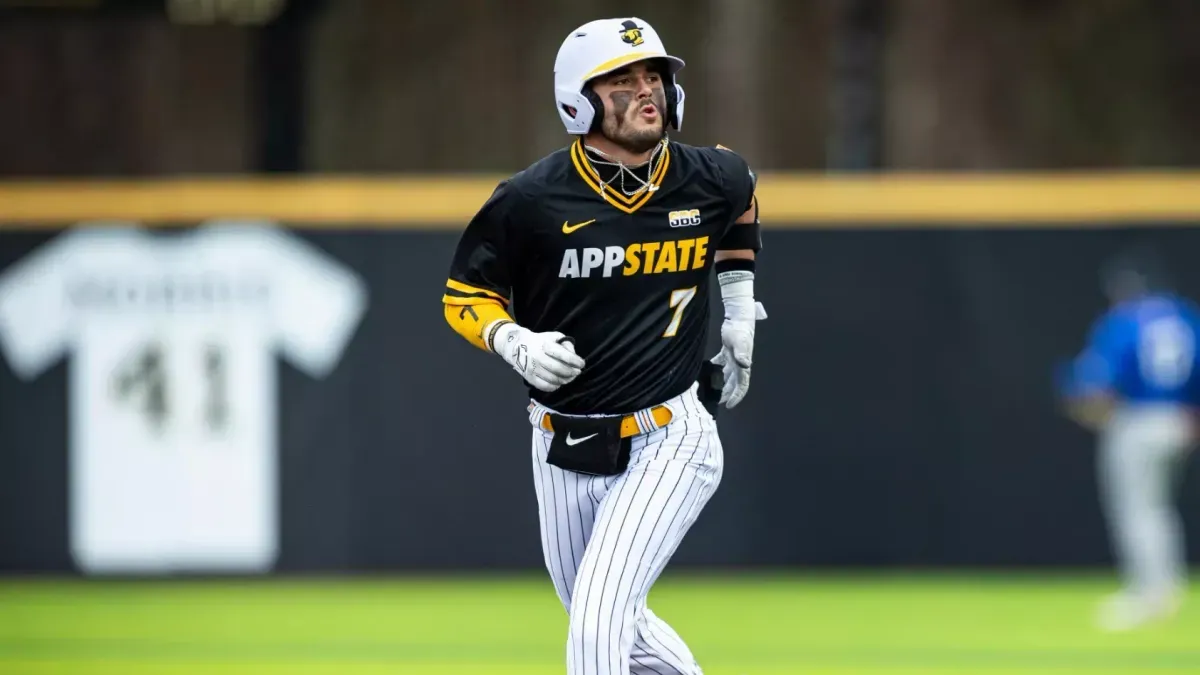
[(460, 301), (459, 286), (470, 320), (472, 294)]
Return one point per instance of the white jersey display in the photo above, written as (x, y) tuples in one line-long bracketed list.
[(172, 386)]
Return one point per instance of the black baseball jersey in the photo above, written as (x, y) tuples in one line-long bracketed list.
[(628, 278)]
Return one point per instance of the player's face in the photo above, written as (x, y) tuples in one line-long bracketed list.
[(635, 106)]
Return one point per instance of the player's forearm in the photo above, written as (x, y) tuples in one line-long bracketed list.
[(735, 275), (735, 254), (476, 322), (1091, 412)]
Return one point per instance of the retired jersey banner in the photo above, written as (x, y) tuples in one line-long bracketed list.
[(172, 340)]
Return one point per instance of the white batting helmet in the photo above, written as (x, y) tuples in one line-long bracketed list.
[(600, 47)]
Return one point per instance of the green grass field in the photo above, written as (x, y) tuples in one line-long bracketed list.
[(752, 625)]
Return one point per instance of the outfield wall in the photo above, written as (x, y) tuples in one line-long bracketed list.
[(901, 411)]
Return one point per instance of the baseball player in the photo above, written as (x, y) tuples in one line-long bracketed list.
[(589, 273), (1136, 384)]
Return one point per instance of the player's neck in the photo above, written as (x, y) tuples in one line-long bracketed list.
[(615, 153)]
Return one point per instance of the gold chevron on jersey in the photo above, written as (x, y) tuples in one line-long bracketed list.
[(458, 293), (616, 197)]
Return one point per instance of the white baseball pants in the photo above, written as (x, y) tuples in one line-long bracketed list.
[(1141, 454), (606, 539)]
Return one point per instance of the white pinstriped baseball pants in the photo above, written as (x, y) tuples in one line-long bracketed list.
[(606, 539)]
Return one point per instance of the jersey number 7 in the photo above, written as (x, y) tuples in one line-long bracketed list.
[(679, 301)]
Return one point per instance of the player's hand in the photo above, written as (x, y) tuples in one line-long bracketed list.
[(737, 355), (547, 361)]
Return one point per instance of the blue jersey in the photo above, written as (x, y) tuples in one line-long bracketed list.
[(1141, 351)]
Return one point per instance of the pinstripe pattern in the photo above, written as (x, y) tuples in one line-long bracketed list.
[(606, 539)]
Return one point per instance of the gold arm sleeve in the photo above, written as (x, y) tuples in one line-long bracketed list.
[(471, 320)]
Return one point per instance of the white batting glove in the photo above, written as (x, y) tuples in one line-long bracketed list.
[(544, 362), (737, 339)]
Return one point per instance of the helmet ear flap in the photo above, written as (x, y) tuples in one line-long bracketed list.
[(575, 110), (597, 106), (675, 97)]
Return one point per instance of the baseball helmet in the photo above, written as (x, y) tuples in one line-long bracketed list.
[(597, 48)]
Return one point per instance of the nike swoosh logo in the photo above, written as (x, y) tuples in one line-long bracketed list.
[(577, 441), (568, 228)]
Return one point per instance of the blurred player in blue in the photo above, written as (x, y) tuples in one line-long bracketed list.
[(1136, 383)]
